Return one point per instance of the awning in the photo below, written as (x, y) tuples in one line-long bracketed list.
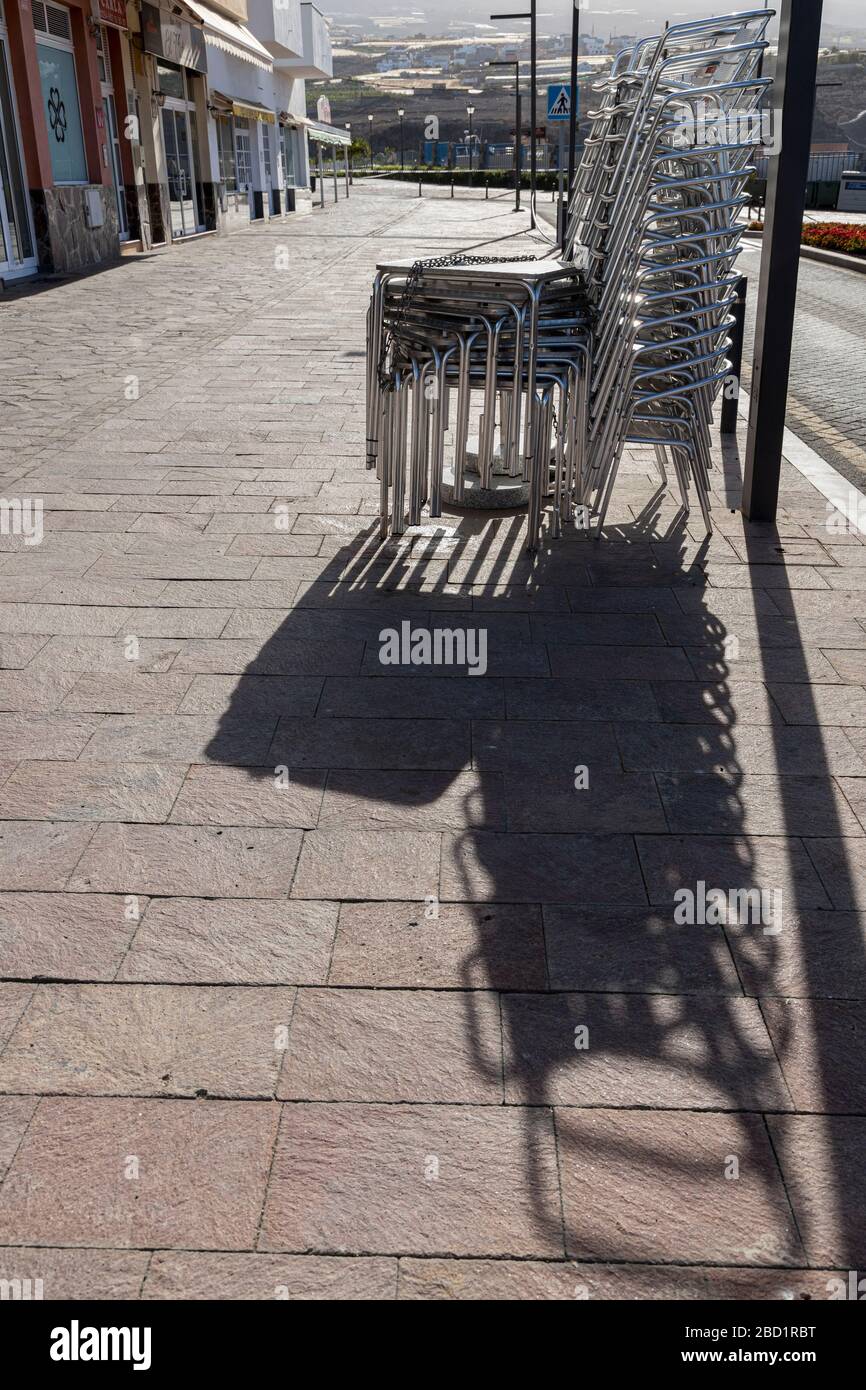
[(222, 105), (253, 111), (327, 134), (231, 37)]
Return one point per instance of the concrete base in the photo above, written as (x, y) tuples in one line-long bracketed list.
[(504, 492)]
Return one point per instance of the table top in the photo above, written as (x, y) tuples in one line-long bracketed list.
[(547, 268)]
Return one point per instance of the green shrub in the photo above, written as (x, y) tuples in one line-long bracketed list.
[(546, 181)]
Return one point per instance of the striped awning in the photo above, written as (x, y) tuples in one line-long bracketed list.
[(327, 134), (231, 37), (220, 104)]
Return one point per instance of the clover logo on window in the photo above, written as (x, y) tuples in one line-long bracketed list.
[(57, 115)]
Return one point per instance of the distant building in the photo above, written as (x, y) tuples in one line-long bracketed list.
[(589, 44), (618, 42)]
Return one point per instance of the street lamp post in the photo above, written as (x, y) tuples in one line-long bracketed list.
[(572, 109), (470, 111), (348, 151), (401, 113), (370, 119), (513, 63), (533, 93)]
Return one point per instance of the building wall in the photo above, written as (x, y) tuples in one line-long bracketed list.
[(245, 81), (62, 213), (65, 240)]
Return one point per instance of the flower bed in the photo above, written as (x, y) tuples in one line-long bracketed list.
[(848, 237)]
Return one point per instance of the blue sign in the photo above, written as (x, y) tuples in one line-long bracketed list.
[(559, 101)]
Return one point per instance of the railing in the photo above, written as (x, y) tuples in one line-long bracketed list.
[(823, 168)]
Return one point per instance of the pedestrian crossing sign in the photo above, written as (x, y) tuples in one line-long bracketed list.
[(559, 101)]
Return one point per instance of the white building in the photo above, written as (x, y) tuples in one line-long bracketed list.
[(589, 44), (259, 55)]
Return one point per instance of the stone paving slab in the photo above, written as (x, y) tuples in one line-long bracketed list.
[(327, 979)]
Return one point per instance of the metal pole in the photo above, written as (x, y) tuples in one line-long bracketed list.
[(401, 145), (796, 68), (346, 158), (321, 174), (572, 113), (560, 219), (469, 114), (518, 148), (533, 82), (334, 169), (730, 402)]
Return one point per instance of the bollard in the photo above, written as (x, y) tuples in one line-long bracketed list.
[(419, 188), (452, 188), (486, 189), (730, 404)]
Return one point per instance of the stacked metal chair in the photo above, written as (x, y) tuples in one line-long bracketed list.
[(617, 338), (655, 204), (509, 335)]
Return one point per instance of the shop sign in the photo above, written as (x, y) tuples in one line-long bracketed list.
[(173, 39), (113, 12)]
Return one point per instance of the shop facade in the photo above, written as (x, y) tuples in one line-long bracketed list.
[(126, 126), (17, 234), (172, 98), (54, 140), (257, 145)]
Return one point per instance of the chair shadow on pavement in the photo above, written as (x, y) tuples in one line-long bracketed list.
[(665, 1133)]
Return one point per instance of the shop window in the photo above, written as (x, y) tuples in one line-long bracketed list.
[(102, 59), (59, 92), (226, 147), (170, 80), (15, 240), (243, 152), (287, 154)]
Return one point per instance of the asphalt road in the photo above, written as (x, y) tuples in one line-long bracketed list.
[(827, 388)]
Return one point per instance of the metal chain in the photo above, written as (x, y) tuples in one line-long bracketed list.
[(416, 272)]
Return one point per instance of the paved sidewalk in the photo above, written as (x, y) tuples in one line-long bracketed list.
[(323, 981)]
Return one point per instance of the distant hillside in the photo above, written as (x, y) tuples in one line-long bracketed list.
[(353, 101)]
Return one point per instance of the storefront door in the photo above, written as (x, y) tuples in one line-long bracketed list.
[(181, 155), (181, 183), (16, 235), (244, 158), (112, 137)]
